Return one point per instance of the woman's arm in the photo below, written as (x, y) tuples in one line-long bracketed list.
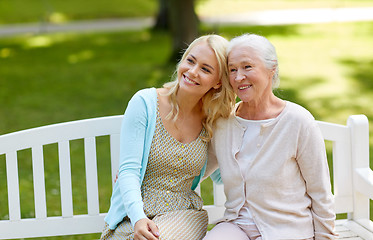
[(212, 168), (313, 164), (132, 140)]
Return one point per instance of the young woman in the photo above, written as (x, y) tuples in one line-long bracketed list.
[(163, 149)]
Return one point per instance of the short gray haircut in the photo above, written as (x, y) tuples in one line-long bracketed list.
[(265, 50)]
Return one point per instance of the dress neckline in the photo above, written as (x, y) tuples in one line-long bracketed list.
[(172, 137)]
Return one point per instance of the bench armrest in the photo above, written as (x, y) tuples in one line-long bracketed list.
[(364, 181)]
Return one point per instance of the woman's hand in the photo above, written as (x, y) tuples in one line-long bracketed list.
[(146, 229)]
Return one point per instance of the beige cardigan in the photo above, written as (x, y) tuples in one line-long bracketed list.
[(288, 186)]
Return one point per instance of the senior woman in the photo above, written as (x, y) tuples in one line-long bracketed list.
[(271, 156)]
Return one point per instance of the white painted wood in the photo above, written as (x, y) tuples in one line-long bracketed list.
[(215, 213), (13, 186), (59, 133), (343, 192), (62, 134), (343, 204), (364, 181), (65, 179), (342, 173), (359, 159), (359, 230), (91, 175), (52, 226), (353, 179), (347, 235), (39, 182), (333, 132), (219, 196), (367, 224)]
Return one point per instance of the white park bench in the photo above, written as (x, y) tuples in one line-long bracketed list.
[(353, 178)]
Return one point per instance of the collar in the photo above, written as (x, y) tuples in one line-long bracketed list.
[(264, 125)]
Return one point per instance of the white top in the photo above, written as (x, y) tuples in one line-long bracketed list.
[(250, 146)]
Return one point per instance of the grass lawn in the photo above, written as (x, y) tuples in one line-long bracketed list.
[(45, 79)]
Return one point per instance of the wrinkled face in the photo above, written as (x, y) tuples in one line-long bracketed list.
[(248, 76), (199, 71)]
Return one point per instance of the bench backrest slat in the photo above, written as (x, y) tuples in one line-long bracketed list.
[(91, 175), (360, 159), (65, 179), (39, 182), (13, 186), (342, 179)]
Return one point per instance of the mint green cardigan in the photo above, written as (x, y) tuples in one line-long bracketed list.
[(136, 136)]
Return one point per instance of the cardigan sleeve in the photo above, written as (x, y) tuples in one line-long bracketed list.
[(313, 164), (132, 141), (212, 169)]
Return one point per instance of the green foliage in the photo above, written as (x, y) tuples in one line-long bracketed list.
[(57, 11)]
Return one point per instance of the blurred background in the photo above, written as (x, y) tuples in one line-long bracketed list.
[(64, 60)]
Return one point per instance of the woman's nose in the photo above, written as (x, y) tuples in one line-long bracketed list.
[(240, 76), (194, 70)]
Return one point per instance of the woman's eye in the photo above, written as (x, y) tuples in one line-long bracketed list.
[(190, 60), (232, 70), (247, 66), (206, 70)]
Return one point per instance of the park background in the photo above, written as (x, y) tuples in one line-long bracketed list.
[(47, 78)]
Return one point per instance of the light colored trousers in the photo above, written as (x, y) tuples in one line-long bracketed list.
[(233, 231)]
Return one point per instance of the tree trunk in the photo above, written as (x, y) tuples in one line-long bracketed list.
[(183, 22), (162, 19)]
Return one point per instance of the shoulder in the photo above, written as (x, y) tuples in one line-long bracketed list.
[(143, 102), (295, 112), (225, 126), (223, 122), (298, 119), (147, 94), (145, 97)]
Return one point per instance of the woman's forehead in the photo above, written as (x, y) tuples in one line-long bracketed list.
[(242, 54)]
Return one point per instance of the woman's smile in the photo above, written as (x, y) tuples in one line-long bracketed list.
[(243, 87), (189, 81)]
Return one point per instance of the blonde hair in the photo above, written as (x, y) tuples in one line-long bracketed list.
[(216, 103)]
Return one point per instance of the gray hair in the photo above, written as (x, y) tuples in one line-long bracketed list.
[(265, 50)]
